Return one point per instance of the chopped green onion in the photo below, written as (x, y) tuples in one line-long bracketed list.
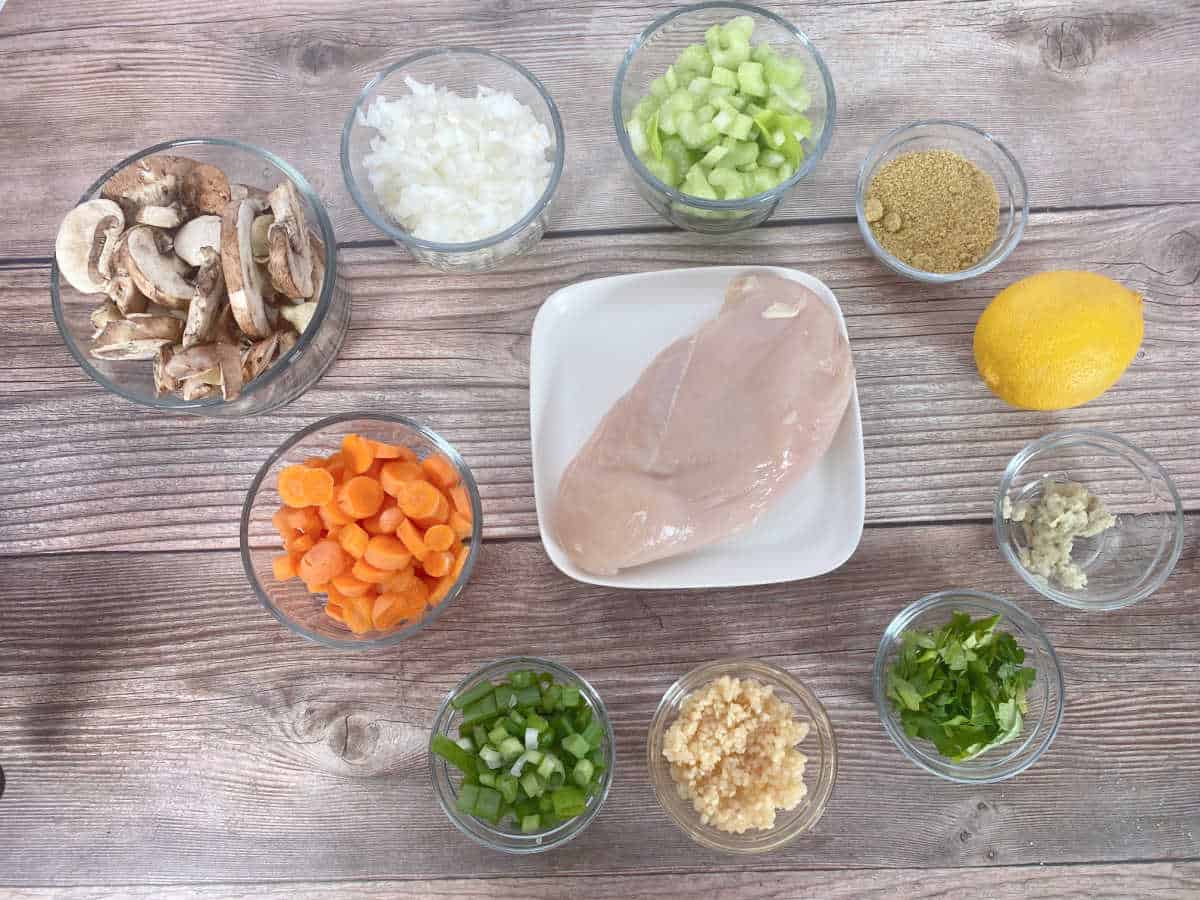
[(592, 734), (506, 697), (531, 824), (480, 710), (473, 695), (453, 754), (487, 806), (576, 745), (549, 765), (491, 757), (528, 696), (497, 735), (468, 797), (567, 801), (466, 744), (508, 786), (532, 784), (531, 738), (510, 748), (551, 697), (583, 772), (571, 697), (488, 779)]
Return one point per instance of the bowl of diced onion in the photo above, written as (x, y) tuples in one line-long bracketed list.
[(455, 154), (720, 109)]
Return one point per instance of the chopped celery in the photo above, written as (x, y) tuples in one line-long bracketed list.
[(741, 27), (497, 734), (700, 85), (671, 78), (771, 159), (695, 58), (644, 108), (653, 138), (491, 757), (532, 785), (705, 113), (659, 89), (750, 79), (787, 73), (724, 77), (732, 187), (762, 53)]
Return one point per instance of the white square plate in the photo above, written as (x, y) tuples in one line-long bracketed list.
[(592, 341)]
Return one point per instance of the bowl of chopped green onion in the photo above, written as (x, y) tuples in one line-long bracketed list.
[(968, 686), (720, 109), (522, 755)]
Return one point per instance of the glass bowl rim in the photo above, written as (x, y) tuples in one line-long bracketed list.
[(282, 364), (745, 203), (953, 771), (404, 237), (394, 637), (903, 268), (741, 667), (563, 833), (1143, 461)]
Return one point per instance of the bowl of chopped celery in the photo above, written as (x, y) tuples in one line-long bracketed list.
[(522, 755), (968, 686), (720, 109)]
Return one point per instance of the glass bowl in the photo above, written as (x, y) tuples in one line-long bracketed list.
[(289, 601), (819, 746), (980, 148), (656, 48), (446, 780), (291, 375), (462, 70), (1129, 561), (1045, 697)]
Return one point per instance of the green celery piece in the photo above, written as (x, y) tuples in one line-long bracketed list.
[(444, 747), (524, 806), (680, 101), (468, 798), (741, 153), (508, 786), (791, 150), (762, 52), (675, 149), (666, 121), (659, 89), (487, 779), (750, 79), (549, 765), (568, 801), (731, 186), (796, 98), (713, 39), (637, 137), (695, 58), (717, 91), (521, 678), (763, 180), (480, 710), (705, 113), (583, 772), (664, 170), (576, 744), (532, 785), (643, 109), (487, 806), (783, 71), (671, 77), (732, 56), (531, 824), (742, 125), (692, 132), (472, 695), (697, 185), (571, 697), (771, 159), (722, 77), (545, 804), (741, 27), (700, 86), (724, 121)]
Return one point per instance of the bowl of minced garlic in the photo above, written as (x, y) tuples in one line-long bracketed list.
[(941, 201), (742, 756)]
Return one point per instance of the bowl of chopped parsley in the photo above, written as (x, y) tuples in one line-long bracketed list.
[(968, 686)]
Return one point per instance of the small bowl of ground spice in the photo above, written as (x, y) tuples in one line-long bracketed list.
[(941, 201)]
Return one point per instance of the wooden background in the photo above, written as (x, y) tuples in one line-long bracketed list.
[(163, 736)]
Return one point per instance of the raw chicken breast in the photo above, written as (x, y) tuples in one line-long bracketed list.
[(719, 424)]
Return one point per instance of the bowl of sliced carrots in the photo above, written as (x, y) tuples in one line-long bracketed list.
[(360, 530)]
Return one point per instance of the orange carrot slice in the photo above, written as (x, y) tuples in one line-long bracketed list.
[(349, 586), (358, 453), (392, 451), (283, 567), (440, 471), (419, 499), (394, 475), (439, 537), (437, 563), (364, 571), (353, 540), (387, 553), (360, 497), (460, 526), (323, 562), (412, 539), (462, 503)]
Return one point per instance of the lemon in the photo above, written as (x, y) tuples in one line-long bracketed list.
[(1058, 339)]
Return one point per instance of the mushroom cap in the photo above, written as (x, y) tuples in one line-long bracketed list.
[(290, 261), (137, 337), (153, 271), (208, 301), (200, 232), (205, 189), (151, 181), (76, 236), (243, 279)]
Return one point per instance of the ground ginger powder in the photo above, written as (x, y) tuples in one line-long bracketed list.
[(733, 754), (934, 210)]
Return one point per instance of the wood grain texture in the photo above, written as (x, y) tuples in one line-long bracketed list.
[(156, 724), (1166, 881), (1092, 96), (87, 471)]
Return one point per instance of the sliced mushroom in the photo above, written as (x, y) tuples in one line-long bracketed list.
[(152, 325), (106, 241), (152, 181), (164, 383), (167, 215), (208, 301), (153, 271), (193, 361), (246, 192), (205, 189), (243, 279), (230, 364), (103, 314), (259, 245), (226, 330), (299, 315), (125, 339), (290, 260), (318, 259), (123, 292), (287, 340), (203, 231), (198, 387), (257, 358), (77, 236)]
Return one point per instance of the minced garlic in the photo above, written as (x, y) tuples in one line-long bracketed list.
[(1064, 511)]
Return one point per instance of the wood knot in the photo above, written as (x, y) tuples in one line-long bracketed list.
[(1071, 44), (320, 57), (1179, 257)]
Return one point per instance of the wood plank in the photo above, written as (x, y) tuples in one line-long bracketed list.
[(156, 722), (453, 351), (1167, 881), (1090, 95)]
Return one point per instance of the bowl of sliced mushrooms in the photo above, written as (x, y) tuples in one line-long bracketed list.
[(200, 276)]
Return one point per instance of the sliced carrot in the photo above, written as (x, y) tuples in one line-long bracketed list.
[(331, 514), (305, 486), (462, 503), (419, 499), (358, 453), (324, 561), (437, 563), (336, 466), (364, 571), (357, 615), (390, 609), (376, 468), (444, 586), (316, 587), (439, 537), (360, 497), (394, 475), (388, 553), (306, 520), (460, 525), (390, 519), (460, 560), (350, 586), (353, 540), (374, 524), (392, 451), (439, 516), (281, 523), (440, 471), (399, 581), (284, 567), (315, 462), (301, 543), (423, 589), (335, 612), (408, 533)]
